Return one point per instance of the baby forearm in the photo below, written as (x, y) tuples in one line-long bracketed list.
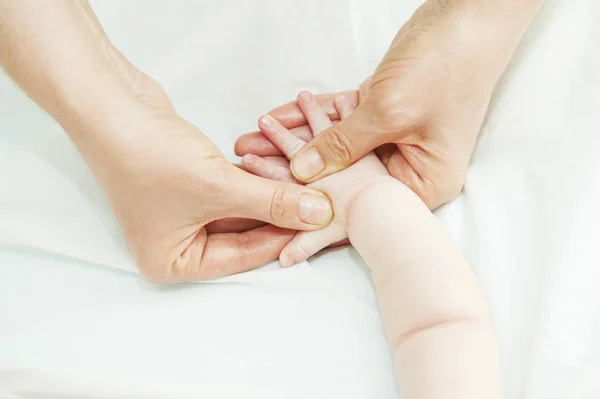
[(433, 312)]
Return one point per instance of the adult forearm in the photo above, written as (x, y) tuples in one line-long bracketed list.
[(433, 312), (58, 53), (493, 29), (514, 14)]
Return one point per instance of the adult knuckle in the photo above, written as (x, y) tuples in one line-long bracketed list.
[(338, 146), (390, 117), (279, 204)]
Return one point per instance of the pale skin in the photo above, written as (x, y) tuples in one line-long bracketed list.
[(423, 107), (433, 311), (187, 213)]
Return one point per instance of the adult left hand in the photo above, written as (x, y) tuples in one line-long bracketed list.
[(423, 107)]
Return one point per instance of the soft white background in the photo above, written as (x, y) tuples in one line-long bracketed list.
[(74, 321)]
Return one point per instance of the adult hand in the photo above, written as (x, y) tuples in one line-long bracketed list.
[(167, 182), (424, 105), (182, 206), (342, 188)]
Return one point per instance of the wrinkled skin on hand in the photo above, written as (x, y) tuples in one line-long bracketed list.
[(342, 187), (186, 212), (421, 110)]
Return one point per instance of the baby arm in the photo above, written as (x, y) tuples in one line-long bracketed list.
[(433, 312)]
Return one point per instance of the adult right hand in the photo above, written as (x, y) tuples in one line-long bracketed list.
[(424, 105), (187, 213)]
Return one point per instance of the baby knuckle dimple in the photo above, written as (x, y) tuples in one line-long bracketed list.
[(279, 204), (337, 146)]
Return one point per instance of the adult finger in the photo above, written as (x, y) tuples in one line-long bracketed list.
[(384, 152), (218, 255), (338, 147), (433, 195), (280, 203), (233, 225)]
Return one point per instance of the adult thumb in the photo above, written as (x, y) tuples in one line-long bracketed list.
[(337, 147), (280, 203)]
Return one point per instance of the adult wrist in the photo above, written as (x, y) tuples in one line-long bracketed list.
[(96, 97), (493, 29), (481, 35)]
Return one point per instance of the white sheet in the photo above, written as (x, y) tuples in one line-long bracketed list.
[(73, 324)]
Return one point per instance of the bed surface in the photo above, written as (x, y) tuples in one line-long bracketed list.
[(76, 320)]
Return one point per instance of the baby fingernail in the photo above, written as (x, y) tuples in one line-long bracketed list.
[(307, 164), (247, 160), (315, 209), (266, 120), (304, 96)]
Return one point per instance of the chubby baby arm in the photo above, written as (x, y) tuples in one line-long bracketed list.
[(433, 311)]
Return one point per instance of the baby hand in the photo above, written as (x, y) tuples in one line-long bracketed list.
[(341, 187)]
